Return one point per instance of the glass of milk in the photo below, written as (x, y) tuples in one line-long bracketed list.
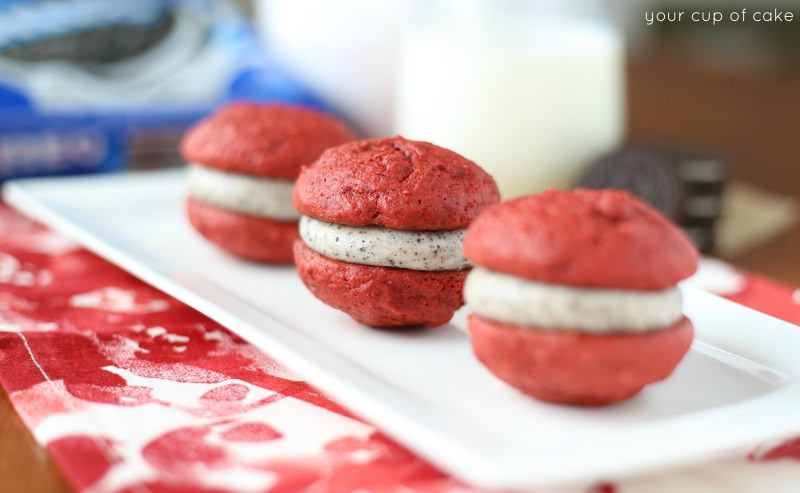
[(531, 90)]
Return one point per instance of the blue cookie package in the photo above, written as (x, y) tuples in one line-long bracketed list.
[(103, 85)]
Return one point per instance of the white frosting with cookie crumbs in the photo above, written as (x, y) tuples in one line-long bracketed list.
[(255, 195), (372, 245), (518, 301)]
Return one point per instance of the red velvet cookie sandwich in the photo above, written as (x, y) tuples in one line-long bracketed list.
[(243, 161), (382, 229), (574, 294)]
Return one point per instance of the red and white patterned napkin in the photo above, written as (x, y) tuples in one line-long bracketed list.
[(132, 391)]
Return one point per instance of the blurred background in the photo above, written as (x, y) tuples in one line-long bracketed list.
[(699, 119)]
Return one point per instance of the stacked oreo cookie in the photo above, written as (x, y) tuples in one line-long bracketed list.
[(686, 187)]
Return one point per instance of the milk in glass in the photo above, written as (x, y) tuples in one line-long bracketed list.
[(528, 93)]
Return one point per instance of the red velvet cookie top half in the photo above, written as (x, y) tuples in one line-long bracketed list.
[(582, 238), (394, 183), (270, 140)]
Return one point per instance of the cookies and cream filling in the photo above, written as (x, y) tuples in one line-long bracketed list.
[(519, 301), (254, 195), (417, 250)]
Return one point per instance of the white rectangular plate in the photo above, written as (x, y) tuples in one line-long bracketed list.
[(739, 385)]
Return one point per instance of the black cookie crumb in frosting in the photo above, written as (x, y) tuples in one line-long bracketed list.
[(419, 250)]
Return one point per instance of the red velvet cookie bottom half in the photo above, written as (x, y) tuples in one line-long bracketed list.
[(572, 367), (243, 235), (381, 296)]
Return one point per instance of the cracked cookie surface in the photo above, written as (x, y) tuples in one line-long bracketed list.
[(394, 183)]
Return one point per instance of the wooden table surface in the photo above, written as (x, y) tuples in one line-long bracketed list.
[(752, 119)]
